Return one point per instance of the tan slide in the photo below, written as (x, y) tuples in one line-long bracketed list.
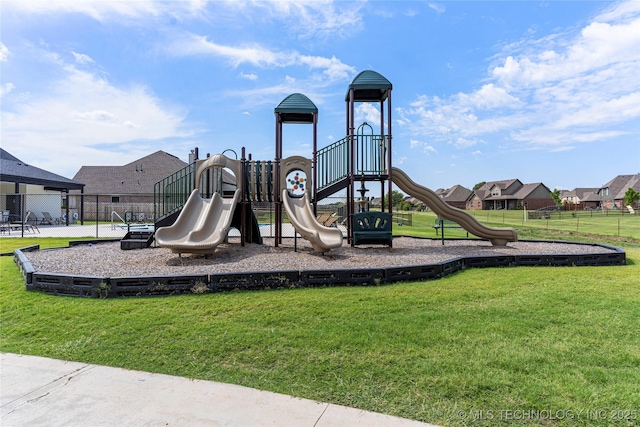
[(299, 210), (497, 236), (201, 226)]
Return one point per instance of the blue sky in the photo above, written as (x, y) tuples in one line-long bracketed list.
[(543, 91)]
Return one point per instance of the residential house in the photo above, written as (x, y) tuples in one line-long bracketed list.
[(416, 204), (510, 194), (612, 193), (455, 196), (25, 188), (136, 178), (128, 190), (576, 198), (590, 201)]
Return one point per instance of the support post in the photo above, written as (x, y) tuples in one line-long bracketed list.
[(243, 197), (314, 165), (389, 152)]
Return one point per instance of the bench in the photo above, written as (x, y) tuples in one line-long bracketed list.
[(445, 223), (372, 228)]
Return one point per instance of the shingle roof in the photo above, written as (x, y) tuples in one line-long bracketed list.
[(457, 193), (526, 189), (619, 185), (484, 192), (582, 192), (137, 177), (590, 197), (15, 170), (634, 182)]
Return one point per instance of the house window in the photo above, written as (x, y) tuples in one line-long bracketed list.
[(115, 199)]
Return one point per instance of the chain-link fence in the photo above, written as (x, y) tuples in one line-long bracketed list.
[(112, 216)]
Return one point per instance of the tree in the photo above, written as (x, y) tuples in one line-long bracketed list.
[(405, 205), (631, 197), (478, 185), (396, 198), (556, 196)]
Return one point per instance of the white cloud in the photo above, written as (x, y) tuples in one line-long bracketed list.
[(6, 88), (250, 76), (439, 8), (134, 12), (463, 142), (85, 116), (97, 9), (258, 56), (488, 96), (426, 148), (82, 59), (398, 160), (368, 112), (317, 19), (4, 52), (254, 54), (564, 88), (332, 67)]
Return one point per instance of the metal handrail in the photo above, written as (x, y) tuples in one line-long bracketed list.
[(113, 226), (332, 163), (172, 192)]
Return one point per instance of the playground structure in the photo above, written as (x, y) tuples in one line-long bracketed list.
[(197, 206)]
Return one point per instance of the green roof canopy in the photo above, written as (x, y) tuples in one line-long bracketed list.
[(369, 86), (296, 108)]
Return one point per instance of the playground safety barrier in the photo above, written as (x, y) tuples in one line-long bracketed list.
[(109, 287)]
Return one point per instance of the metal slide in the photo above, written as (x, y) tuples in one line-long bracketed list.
[(301, 216), (497, 236), (201, 226)]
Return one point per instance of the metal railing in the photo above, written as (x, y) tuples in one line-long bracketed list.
[(172, 192), (370, 152), (332, 163), (370, 158), (100, 216)]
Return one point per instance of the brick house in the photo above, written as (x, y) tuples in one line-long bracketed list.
[(510, 194), (612, 193), (126, 190), (455, 196), (578, 198)]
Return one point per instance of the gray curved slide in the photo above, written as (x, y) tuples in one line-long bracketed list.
[(304, 221), (201, 226), (497, 236)]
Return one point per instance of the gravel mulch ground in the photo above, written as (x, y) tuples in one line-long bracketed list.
[(108, 260)]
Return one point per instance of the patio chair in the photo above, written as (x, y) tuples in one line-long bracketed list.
[(47, 219), (5, 224), (26, 225), (331, 221), (322, 218)]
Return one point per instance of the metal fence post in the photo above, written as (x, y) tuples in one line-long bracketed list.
[(97, 214)]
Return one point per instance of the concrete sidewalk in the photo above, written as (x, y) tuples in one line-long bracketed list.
[(36, 391)]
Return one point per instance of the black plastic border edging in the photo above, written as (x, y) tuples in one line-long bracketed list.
[(109, 287), (26, 269)]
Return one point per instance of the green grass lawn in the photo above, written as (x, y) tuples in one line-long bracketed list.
[(480, 347)]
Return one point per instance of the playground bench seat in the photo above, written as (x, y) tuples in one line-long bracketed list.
[(445, 223), (372, 228)]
